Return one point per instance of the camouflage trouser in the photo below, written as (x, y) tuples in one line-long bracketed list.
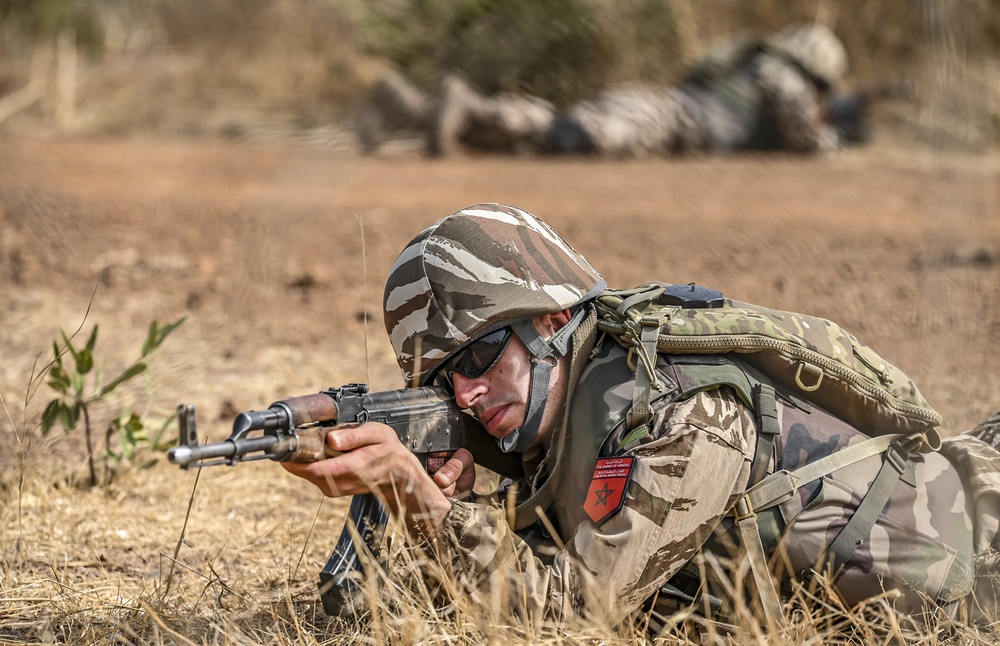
[(976, 454)]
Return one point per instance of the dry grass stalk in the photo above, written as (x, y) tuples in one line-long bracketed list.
[(93, 566)]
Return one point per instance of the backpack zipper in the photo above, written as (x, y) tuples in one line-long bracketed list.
[(667, 343)]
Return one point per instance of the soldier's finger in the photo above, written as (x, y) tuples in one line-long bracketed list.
[(448, 473), (347, 437), (459, 463), (458, 475), (464, 456)]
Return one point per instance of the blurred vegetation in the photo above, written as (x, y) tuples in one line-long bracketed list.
[(28, 21), (554, 49), (315, 58)]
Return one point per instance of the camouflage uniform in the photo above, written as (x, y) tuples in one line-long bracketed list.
[(752, 95), (975, 454), (476, 271), (691, 467)]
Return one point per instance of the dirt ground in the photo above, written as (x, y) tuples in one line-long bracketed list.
[(277, 256)]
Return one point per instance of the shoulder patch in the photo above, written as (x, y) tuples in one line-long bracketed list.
[(606, 494)]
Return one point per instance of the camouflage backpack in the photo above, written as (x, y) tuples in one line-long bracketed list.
[(829, 366)]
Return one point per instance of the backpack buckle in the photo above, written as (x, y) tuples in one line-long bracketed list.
[(743, 509), (651, 320), (897, 456)]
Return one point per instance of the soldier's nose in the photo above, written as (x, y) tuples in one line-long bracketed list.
[(467, 390)]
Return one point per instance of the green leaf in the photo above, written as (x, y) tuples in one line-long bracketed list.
[(128, 444), (150, 343), (69, 345), (58, 379), (56, 355), (158, 334), (170, 327), (133, 370), (69, 415), (77, 383), (84, 361), (50, 415), (92, 341), (134, 423), (126, 439)]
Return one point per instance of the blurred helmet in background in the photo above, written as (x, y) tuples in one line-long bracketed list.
[(815, 48)]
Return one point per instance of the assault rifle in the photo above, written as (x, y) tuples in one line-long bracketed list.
[(426, 420)]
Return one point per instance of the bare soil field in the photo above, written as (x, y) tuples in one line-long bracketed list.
[(277, 256)]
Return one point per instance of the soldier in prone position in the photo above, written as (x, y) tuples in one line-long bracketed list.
[(747, 94), (643, 483), (775, 93)]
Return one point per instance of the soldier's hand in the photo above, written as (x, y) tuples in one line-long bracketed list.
[(373, 460), (458, 475)]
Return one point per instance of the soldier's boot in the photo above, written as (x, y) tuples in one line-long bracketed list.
[(393, 105), (455, 107), (989, 431)]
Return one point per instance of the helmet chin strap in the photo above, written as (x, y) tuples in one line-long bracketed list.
[(544, 356)]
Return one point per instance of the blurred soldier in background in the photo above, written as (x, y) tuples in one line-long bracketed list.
[(750, 93)]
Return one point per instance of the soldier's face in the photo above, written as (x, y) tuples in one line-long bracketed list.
[(499, 398)]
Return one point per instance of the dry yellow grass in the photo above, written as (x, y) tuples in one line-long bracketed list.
[(97, 567)]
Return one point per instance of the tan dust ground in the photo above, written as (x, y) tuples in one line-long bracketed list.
[(277, 255)]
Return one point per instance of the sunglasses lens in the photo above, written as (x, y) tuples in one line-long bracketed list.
[(478, 357)]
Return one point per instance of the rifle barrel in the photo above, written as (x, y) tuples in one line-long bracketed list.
[(186, 455)]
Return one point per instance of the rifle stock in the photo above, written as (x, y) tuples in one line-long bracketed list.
[(426, 420)]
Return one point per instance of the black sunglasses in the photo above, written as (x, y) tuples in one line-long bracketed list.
[(475, 359)]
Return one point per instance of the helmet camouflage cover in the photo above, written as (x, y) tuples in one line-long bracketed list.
[(815, 48), (473, 272)]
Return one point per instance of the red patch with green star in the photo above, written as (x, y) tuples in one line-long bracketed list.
[(607, 488)]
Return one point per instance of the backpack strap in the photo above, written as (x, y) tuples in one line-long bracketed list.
[(897, 459), (642, 331), (644, 336), (768, 429), (782, 485)]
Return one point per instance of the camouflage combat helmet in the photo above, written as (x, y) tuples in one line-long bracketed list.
[(815, 48), (473, 272)]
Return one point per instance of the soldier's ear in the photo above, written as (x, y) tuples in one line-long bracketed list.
[(549, 324)]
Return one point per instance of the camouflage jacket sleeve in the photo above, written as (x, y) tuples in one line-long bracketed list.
[(683, 481), (793, 107)]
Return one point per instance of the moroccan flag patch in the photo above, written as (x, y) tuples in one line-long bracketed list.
[(607, 488)]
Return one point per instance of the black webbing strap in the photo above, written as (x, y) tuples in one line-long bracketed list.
[(541, 370), (861, 523), (768, 429)]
